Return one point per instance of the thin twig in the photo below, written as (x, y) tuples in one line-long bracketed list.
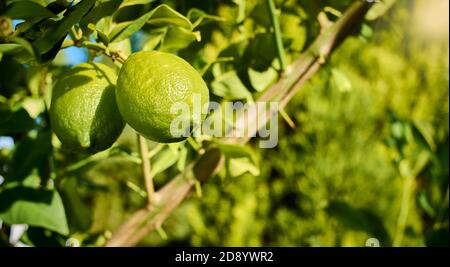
[(95, 47), (146, 171), (286, 117), (277, 35)]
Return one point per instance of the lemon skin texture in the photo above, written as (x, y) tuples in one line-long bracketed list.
[(149, 84), (83, 112)]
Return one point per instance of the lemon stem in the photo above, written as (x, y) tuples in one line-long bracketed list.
[(145, 164), (193, 144)]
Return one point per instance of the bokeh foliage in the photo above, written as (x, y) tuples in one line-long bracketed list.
[(368, 157)]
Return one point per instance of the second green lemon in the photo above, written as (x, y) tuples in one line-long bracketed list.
[(83, 112), (150, 86)]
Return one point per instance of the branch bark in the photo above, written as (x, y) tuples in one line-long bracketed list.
[(146, 220)]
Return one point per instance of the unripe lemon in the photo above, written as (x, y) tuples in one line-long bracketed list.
[(83, 112), (150, 84)]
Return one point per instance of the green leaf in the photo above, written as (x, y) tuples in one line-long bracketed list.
[(359, 219), (154, 40), (30, 153), (18, 121), (262, 51), (292, 28), (424, 203), (26, 45), (379, 9), (366, 31), (78, 213), (164, 15), (56, 6), (98, 34), (15, 72), (177, 38), (32, 28), (199, 17), (19, 47), (124, 30), (134, 2), (57, 33), (7, 48), (164, 159), (104, 25), (35, 207), (100, 11), (235, 151), (40, 237), (230, 86), (238, 167), (421, 162), (262, 80), (236, 51), (239, 159), (5, 114), (206, 69), (161, 16), (423, 133), (27, 10), (261, 15)]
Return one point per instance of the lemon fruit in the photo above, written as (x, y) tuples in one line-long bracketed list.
[(150, 83), (83, 111)]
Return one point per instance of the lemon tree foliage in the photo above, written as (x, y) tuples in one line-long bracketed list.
[(362, 150)]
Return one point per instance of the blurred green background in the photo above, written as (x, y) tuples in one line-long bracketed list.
[(367, 158)]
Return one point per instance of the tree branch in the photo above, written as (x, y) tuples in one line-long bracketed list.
[(179, 188)]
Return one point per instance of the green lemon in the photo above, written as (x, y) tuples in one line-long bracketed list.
[(83, 112), (150, 86)]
